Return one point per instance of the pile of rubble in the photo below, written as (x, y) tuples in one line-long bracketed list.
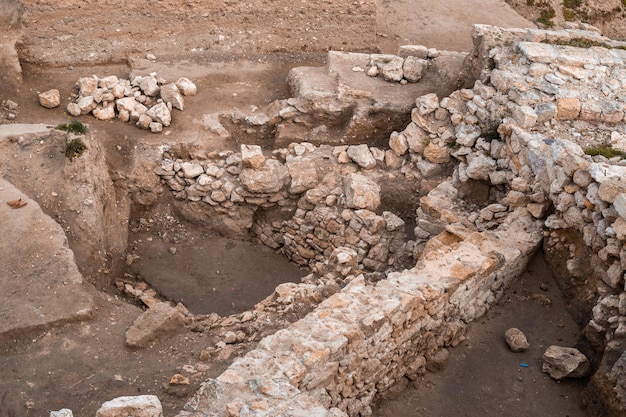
[(145, 101)]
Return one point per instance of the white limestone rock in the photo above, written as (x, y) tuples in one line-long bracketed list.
[(171, 95), (252, 156), (104, 112), (160, 113), (64, 412), (87, 85), (303, 174), (73, 109), (126, 104), (86, 104), (137, 406), (413, 68), (270, 177), (516, 340), (362, 156), (427, 104), (392, 70), (192, 169), (50, 99), (563, 362), (159, 319), (361, 192), (186, 87), (149, 86)]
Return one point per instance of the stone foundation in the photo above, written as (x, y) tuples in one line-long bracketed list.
[(518, 139)]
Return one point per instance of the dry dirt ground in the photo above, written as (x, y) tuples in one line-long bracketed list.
[(79, 366)]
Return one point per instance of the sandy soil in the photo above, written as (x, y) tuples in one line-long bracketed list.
[(79, 366)]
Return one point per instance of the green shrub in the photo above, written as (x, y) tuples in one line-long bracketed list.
[(546, 17), (605, 151), (74, 149), (74, 127)]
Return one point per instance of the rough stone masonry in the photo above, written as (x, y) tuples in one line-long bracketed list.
[(525, 131)]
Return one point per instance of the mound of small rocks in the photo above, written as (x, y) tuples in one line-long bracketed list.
[(146, 101)]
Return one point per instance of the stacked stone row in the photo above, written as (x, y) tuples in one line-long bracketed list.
[(408, 66), (366, 338), (324, 218), (524, 131), (146, 101)]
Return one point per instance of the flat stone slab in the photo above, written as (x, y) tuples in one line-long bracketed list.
[(39, 281)]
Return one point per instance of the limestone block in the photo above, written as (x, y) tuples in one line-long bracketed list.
[(619, 204), (362, 156), (590, 110), (361, 192), (413, 68), (525, 116), (149, 86), (516, 340), (568, 108), (50, 99), (86, 104), (619, 227), (64, 412), (417, 51), (252, 156), (398, 143), (104, 112), (108, 81), (303, 174), (171, 94), (392, 70), (127, 103), (138, 406), (143, 121), (618, 141), (192, 169), (157, 320), (562, 362), (186, 87), (427, 104), (538, 52), (270, 177), (479, 166), (466, 135), (437, 154), (87, 85), (416, 138), (160, 113), (73, 109)]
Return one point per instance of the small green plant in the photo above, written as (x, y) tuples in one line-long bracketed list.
[(580, 43), (74, 148), (532, 2), (605, 151), (546, 17), (74, 127), (572, 4)]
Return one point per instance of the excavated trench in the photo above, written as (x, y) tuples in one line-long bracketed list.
[(187, 261)]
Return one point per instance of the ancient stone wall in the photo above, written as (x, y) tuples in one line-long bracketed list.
[(523, 135)]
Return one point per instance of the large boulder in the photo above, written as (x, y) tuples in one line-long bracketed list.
[(563, 362)]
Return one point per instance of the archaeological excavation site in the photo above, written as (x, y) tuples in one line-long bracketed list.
[(345, 208)]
